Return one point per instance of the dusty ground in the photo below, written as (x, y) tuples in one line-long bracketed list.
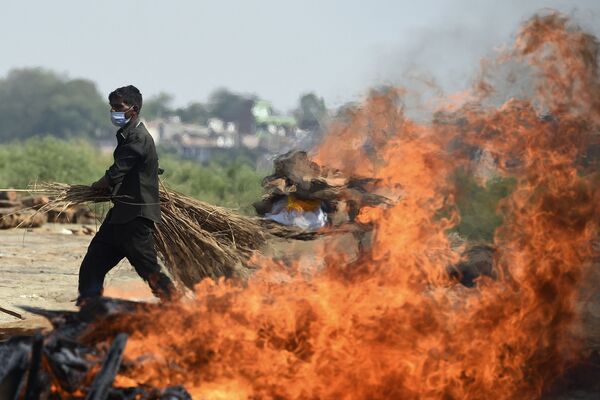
[(39, 267)]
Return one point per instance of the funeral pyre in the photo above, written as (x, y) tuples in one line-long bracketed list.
[(305, 194), (394, 323)]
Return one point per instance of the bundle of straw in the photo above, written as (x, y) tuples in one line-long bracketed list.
[(198, 240), (195, 239)]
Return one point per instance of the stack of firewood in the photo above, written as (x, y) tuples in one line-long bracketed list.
[(22, 212)]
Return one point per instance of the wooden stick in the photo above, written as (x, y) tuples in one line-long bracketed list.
[(34, 388), (14, 314), (27, 190), (13, 371)]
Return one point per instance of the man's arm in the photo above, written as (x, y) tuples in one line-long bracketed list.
[(126, 157), (101, 185)]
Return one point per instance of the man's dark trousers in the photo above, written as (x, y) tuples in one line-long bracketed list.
[(113, 242)]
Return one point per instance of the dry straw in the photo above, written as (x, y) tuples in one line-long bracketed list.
[(195, 239)]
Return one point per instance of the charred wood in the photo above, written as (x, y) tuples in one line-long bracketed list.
[(14, 360), (60, 364), (110, 367), (35, 381)]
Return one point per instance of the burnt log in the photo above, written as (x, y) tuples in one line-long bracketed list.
[(67, 362), (136, 393), (36, 382), (67, 356), (175, 393), (58, 318), (14, 361), (110, 367), (103, 307)]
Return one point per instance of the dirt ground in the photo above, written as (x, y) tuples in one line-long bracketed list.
[(39, 268)]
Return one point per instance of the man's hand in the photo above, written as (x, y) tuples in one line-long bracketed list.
[(101, 185)]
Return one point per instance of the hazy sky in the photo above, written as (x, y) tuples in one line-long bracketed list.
[(274, 48)]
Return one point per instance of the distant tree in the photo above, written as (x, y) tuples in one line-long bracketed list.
[(158, 106), (74, 109), (195, 113), (35, 102), (232, 107), (311, 112)]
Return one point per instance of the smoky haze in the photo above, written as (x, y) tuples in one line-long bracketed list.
[(276, 49), (446, 54)]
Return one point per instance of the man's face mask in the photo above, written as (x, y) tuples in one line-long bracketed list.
[(118, 118)]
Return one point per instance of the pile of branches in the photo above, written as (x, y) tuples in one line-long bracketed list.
[(21, 212), (195, 239), (74, 362)]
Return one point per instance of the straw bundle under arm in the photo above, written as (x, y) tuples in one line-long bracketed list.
[(195, 239)]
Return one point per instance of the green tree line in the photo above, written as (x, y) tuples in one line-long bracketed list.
[(76, 161), (36, 102), (40, 102)]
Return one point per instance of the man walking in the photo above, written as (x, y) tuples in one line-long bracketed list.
[(127, 231)]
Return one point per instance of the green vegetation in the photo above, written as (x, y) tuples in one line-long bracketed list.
[(36, 102), (233, 184), (223, 182), (50, 159), (477, 205)]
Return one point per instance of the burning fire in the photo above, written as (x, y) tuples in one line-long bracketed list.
[(392, 324)]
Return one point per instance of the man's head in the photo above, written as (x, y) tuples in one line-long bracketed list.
[(126, 100)]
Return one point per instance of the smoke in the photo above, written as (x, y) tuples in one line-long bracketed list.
[(449, 53)]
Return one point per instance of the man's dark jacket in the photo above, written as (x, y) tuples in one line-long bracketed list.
[(134, 176)]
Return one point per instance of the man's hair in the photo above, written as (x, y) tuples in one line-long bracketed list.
[(130, 95)]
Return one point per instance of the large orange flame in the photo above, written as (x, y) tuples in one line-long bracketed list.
[(392, 325)]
